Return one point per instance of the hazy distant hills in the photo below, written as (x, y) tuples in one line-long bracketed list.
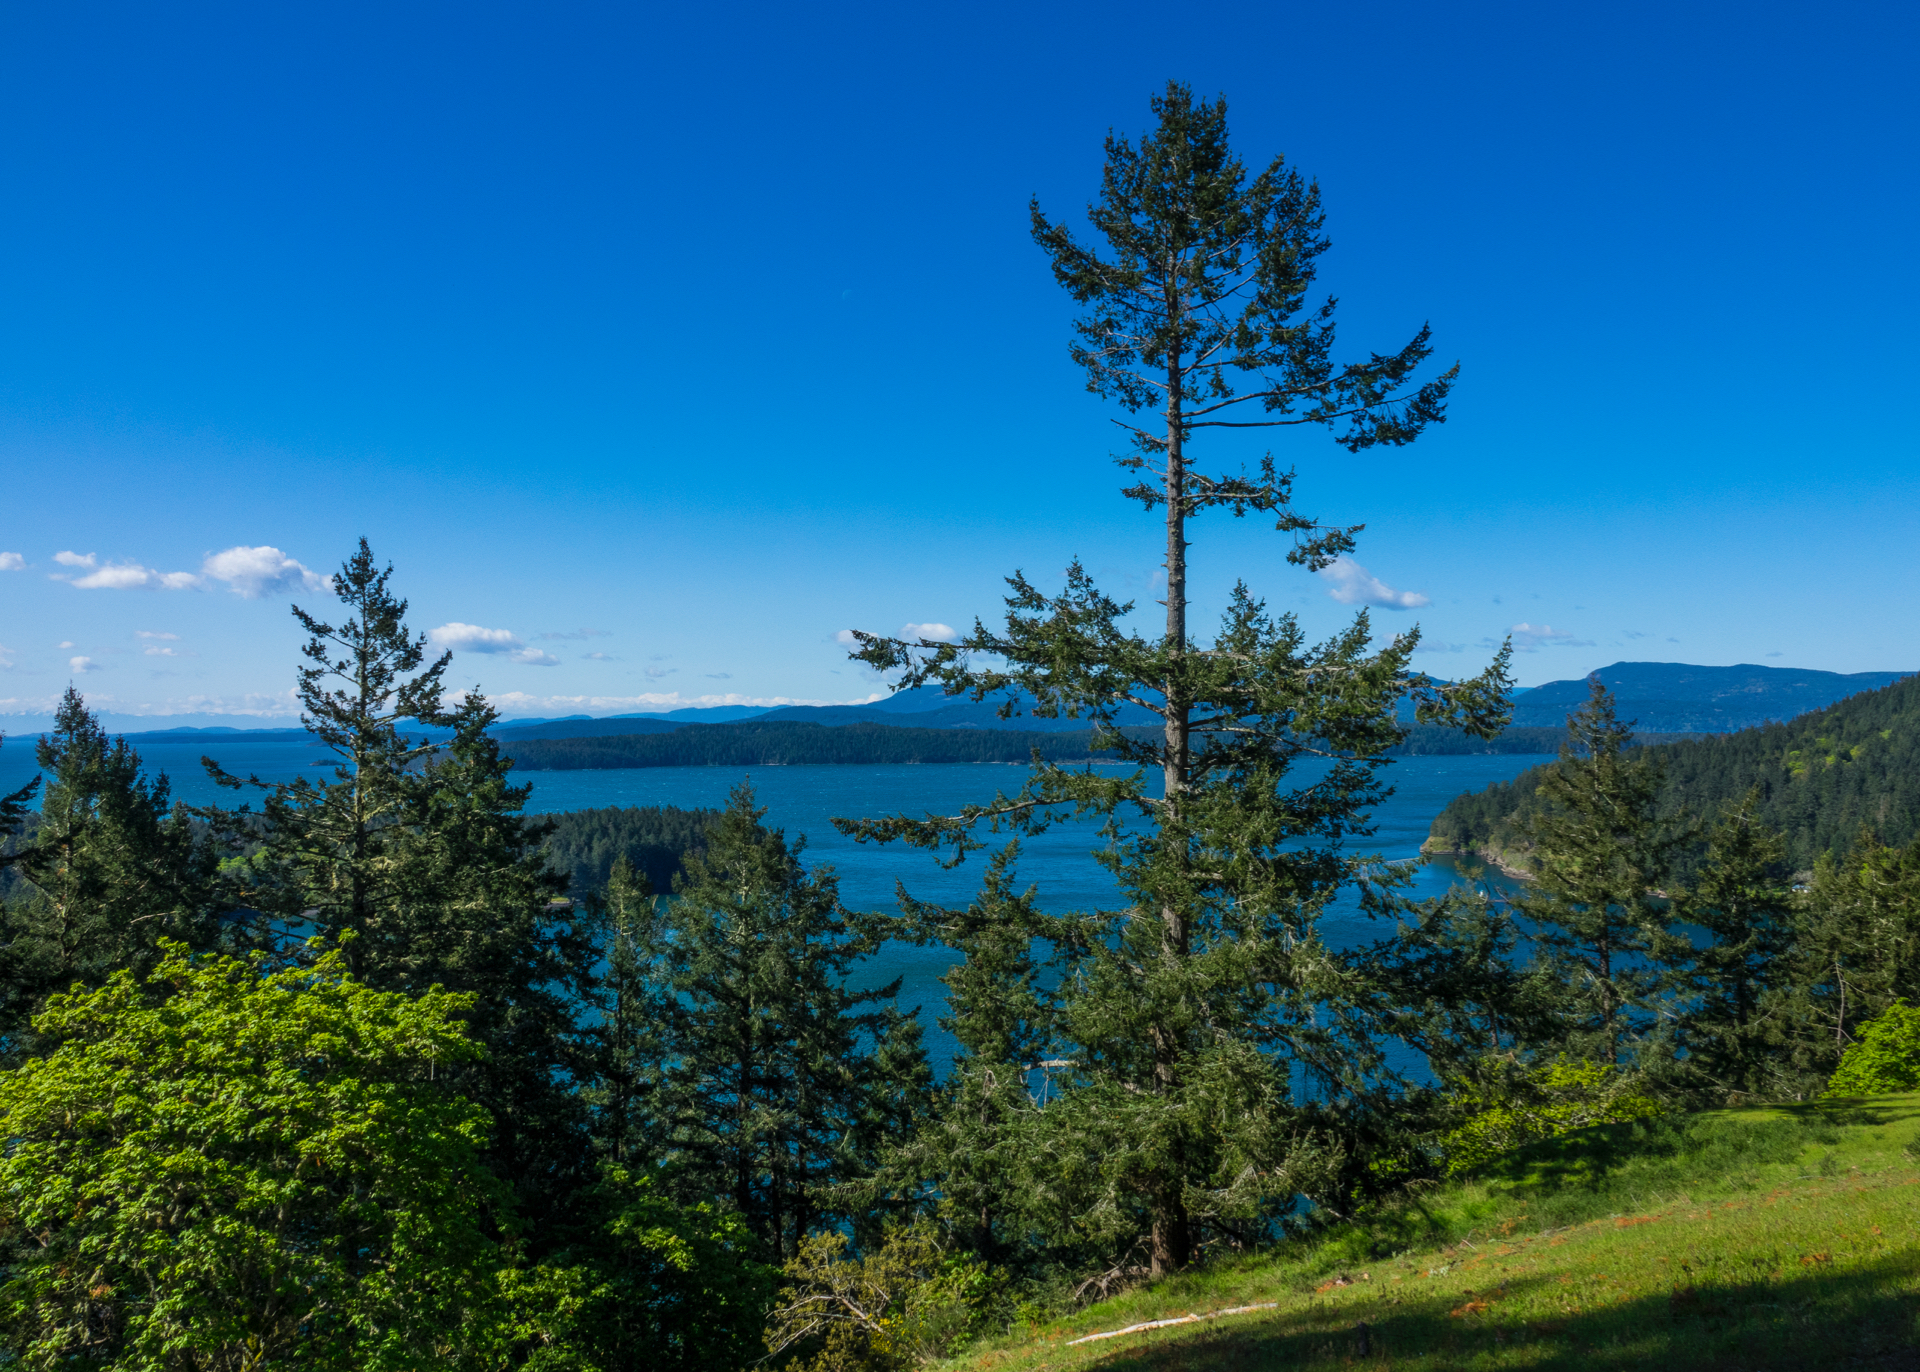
[(1676, 698), (1662, 697)]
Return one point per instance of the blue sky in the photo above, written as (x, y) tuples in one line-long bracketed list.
[(656, 346)]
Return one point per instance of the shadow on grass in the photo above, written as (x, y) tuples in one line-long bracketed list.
[(1860, 1316)]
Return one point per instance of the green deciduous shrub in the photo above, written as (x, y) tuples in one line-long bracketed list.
[(904, 1302), (231, 1166), (1549, 1100), (1885, 1060)]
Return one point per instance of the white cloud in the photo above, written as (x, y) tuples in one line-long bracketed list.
[(129, 576), (6, 657), (248, 572), (1434, 645), (1355, 585), (846, 639), (598, 657), (655, 673), (1528, 638), (168, 652), (83, 665), (64, 643), (149, 633), (939, 633), (263, 571), (119, 576), (473, 638), (12, 562)]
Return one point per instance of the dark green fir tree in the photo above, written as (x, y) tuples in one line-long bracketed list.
[(1456, 982), (417, 859), (1602, 856), (783, 1085), (637, 990), (1735, 1024), (1211, 1054), (369, 696), (113, 868), (975, 1153)]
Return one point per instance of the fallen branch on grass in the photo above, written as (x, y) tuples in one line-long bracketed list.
[(1184, 1319)]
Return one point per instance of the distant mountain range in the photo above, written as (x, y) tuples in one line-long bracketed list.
[(1675, 698), (1661, 697)]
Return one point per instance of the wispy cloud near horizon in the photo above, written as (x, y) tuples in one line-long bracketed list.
[(1530, 638)]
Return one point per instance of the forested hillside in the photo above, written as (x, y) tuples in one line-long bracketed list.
[(752, 743), (584, 844), (1822, 778)]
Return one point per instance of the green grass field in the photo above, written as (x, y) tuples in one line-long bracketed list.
[(1762, 1238)]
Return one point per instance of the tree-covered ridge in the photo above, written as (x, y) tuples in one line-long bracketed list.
[(1821, 779), (753, 744), (773, 743)]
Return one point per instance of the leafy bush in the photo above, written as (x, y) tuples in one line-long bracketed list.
[(881, 1311), (232, 1166), (1885, 1060), (642, 1282), (1550, 1100)]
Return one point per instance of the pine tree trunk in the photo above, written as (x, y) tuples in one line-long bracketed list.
[(1170, 1229)]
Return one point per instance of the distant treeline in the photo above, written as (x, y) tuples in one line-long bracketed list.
[(1822, 778), (1433, 740), (752, 744), (654, 838)]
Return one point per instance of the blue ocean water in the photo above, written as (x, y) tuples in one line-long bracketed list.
[(803, 800)]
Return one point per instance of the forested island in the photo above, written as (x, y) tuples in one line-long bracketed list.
[(783, 743), (753, 743)]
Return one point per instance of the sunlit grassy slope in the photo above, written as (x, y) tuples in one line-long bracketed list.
[(1776, 1238)]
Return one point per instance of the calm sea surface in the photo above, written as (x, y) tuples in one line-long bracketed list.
[(802, 800)]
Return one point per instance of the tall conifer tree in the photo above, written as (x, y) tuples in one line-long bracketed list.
[(640, 1010), (1601, 856), (976, 1151), (417, 859), (1735, 1022), (368, 695), (1198, 1016), (783, 1084), (114, 869)]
